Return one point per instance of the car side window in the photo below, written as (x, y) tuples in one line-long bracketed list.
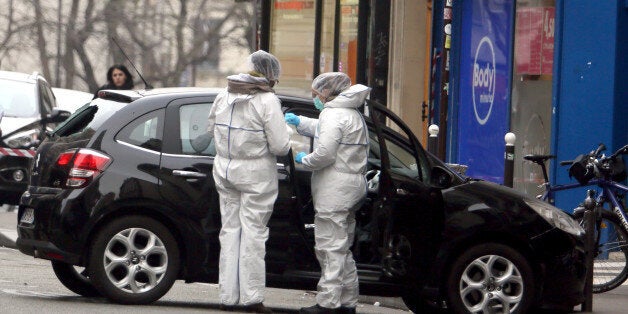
[(401, 160), (145, 131), (193, 130), (401, 156)]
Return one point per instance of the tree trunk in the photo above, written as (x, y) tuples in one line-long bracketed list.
[(41, 41)]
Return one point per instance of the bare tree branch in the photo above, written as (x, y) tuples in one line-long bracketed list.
[(165, 39)]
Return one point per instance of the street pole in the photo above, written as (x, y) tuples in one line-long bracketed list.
[(589, 242), (509, 158), (432, 140)]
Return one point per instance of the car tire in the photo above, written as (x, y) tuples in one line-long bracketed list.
[(483, 276), (76, 281), (134, 260)]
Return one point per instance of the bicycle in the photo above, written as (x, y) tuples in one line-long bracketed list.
[(611, 220)]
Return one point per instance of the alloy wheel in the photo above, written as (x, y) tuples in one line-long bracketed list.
[(135, 260), (491, 284)]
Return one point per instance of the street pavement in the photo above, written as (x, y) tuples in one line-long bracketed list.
[(367, 304), (8, 223), (612, 302)]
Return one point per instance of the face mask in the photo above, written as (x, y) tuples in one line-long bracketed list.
[(318, 104)]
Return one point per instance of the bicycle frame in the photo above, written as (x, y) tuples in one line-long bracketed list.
[(612, 270), (608, 193)]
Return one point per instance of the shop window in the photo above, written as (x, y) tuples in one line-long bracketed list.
[(531, 107), (292, 42), (327, 36), (348, 57)]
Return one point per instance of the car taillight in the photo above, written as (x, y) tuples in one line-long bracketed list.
[(85, 164)]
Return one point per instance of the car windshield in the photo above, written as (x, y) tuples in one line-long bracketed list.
[(18, 99)]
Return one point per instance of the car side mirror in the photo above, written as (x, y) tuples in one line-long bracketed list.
[(440, 177), (56, 116)]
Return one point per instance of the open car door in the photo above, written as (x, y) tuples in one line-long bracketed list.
[(407, 209), (302, 218)]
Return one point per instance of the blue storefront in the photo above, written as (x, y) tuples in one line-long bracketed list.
[(555, 73)]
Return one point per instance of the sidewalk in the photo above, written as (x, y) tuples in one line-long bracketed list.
[(8, 233)]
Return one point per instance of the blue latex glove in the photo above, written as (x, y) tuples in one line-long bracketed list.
[(299, 157), (292, 118)]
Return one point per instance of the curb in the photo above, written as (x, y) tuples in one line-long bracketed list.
[(386, 302)]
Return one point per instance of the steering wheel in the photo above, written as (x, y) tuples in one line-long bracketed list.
[(372, 181)]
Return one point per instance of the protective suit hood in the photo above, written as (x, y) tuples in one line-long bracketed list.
[(247, 78), (353, 97), (244, 84)]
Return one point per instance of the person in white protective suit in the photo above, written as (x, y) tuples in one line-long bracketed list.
[(249, 132), (338, 163)]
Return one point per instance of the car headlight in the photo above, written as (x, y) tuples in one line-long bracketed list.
[(25, 139), (556, 217)]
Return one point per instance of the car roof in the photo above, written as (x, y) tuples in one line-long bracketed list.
[(142, 101), (132, 95), (139, 93), (22, 77)]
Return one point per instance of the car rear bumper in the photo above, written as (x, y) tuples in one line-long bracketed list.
[(45, 250), (44, 237)]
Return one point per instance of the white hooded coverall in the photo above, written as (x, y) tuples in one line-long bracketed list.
[(338, 161), (249, 131)]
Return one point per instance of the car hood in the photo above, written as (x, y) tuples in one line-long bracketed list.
[(12, 124), (485, 205)]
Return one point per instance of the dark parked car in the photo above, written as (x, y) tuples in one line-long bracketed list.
[(124, 189), (28, 108)]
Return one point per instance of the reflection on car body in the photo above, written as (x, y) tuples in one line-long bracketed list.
[(125, 189)]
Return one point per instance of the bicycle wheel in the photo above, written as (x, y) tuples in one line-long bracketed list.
[(610, 265)]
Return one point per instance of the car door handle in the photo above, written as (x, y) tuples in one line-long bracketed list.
[(188, 174), (402, 192)]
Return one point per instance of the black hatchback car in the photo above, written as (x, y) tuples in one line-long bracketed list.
[(122, 201)]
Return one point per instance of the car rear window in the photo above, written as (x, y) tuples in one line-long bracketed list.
[(89, 117)]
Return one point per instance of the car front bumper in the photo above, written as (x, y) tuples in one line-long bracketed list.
[(563, 270), (11, 168)]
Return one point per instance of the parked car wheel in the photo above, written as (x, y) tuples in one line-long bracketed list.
[(134, 260), (490, 278), (74, 279)]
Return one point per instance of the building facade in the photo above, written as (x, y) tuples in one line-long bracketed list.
[(380, 43), (553, 72)]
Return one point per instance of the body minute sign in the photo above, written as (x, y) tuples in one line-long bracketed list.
[(483, 80)]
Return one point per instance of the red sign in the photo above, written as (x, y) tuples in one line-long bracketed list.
[(294, 5), (534, 41), (547, 48)]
